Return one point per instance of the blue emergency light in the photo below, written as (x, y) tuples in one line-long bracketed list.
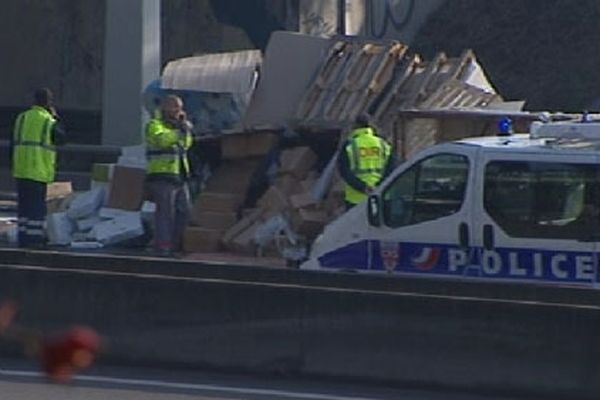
[(505, 127)]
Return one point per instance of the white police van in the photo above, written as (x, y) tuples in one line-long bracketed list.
[(519, 207)]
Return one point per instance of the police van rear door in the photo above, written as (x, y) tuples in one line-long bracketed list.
[(537, 216), (426, 212)]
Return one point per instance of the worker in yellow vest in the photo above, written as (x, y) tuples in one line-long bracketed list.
[(168, 138), (36, 134), (364, 161)]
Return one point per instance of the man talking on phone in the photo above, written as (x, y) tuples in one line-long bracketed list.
[(168, 138), (36, 134)]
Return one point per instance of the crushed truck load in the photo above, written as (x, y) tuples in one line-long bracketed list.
[(272, 184)]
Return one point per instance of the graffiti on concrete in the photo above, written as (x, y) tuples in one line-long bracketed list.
[(316, 24), (392, 14)]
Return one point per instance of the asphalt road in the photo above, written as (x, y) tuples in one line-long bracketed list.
[(19, 380)]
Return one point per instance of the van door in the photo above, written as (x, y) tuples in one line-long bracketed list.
[(536, 217), (426, 213)]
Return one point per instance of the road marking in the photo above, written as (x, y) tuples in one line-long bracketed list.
[(186, 386), (217, 281)]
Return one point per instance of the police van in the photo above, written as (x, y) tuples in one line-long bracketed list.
[(517, 207)]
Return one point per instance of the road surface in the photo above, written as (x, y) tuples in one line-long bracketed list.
[(19, 380)]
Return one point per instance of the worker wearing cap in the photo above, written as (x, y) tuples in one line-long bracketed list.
[(35, 135), (364, 161), (168, 138)]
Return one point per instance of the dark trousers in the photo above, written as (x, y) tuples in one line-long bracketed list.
[(31, 212), (172, 213)]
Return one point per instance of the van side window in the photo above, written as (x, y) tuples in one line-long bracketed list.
[(431, 189), (543, 199)]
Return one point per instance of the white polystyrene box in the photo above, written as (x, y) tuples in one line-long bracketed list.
[(118, 229), (59, 228), (111, 213), (85, 224)]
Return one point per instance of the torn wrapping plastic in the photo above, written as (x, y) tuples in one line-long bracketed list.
[(86, 204), (118, 229), (275, 230), (88, 223)]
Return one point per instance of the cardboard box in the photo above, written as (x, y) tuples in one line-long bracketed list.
[(238, 146), (297, 161), (218, 220), (288, 184), (102, 172), (302, 200), (241, 225), (232, 177), (59, 204), (244, 242), (127, 188), (260, 143), (308, 184), (309, 223), (233, 146), (246, 212), (274, 200), (56, 190), (222, 202), (201, 240)]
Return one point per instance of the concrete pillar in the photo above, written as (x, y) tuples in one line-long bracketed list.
[(131, 62), (322, 17), (355, 17)]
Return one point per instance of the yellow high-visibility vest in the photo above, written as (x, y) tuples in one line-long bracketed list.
[(34, 153), (166, 148), (368, 155)]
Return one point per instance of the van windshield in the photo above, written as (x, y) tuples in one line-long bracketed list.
[(432, 188)]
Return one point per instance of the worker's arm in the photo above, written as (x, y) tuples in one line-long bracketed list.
[(346, 173), (59, 134), (158, 136), (186, 129)]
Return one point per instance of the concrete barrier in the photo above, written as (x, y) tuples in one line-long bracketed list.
[(137, 263), (468, 343)]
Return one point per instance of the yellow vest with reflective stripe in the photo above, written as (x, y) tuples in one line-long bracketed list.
[(166, 148), (368, 155), (34, 154)]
